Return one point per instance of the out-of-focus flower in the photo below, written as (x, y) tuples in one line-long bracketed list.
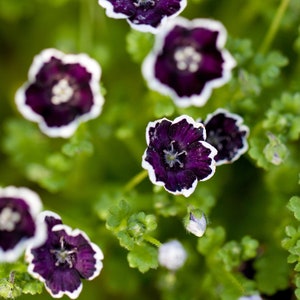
[(144, 15), (64, 259), (227, 133), (177, 156), (188, 60), (254, 297), (172, 255), (19, 226), (62, 91)]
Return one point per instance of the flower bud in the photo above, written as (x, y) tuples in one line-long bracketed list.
[(196, 223)]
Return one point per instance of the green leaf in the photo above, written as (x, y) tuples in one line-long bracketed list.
[(272, 271), (249, 246), (143, 257), (138, 44), (211, 241), (269, 66), (9, 290), (290, 231), (118, 215), (78, 144), (126, 240), (241, 49), (294, 206)]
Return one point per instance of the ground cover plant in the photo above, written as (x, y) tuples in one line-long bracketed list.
[(149, 149)]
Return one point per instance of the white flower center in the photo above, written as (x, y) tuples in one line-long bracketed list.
[(187, 59), (63, 255), (9, 219), (144, 3), (61, 92), (172, 156)]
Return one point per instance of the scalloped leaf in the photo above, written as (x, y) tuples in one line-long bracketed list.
[(144, 258)]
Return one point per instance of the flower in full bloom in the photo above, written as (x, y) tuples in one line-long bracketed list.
[(188, 60), (227, 133), (64, 259), (62, 91), (19, 225), (144, 15), (177, 156), (172, 255)]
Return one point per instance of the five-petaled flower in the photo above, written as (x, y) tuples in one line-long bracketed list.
[(65, 258), (62, 91), (188, 60), (19, 225), (227, 133), (144, 15), (177, 156)]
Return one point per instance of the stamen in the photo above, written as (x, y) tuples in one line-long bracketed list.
[(187, 59), (61, 92), (9, 219), (172, 156), (63, 255), (144, 3)]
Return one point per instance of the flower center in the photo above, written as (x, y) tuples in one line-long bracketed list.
[(144, 3), (61, 92), (172, 156), (9, 219), (64, 256), (187, 59)]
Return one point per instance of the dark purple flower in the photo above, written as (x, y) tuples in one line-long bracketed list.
[(143, 15), (226, 132), (62, 91), (64, 259), (177, 156), (188, 60), (19, 226)]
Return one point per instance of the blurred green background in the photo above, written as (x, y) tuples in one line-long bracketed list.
[(83, 177)]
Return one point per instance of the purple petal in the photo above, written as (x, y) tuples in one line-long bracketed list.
[(177, 156), (158, 134), (200, 160), (155, 159), (19, 224), (64, 281), (154, 14), (24, 228), (42, 264), (143, 15), (49, 71), (78, 73), (188, 61), (181, 182), (227, 133), (86, 262), (185, 133), (123, 7), (51, 219), (62, 91)]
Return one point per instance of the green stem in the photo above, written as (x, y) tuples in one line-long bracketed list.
[(86, 22), (274, 26), (135, 180), (152, 240)]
